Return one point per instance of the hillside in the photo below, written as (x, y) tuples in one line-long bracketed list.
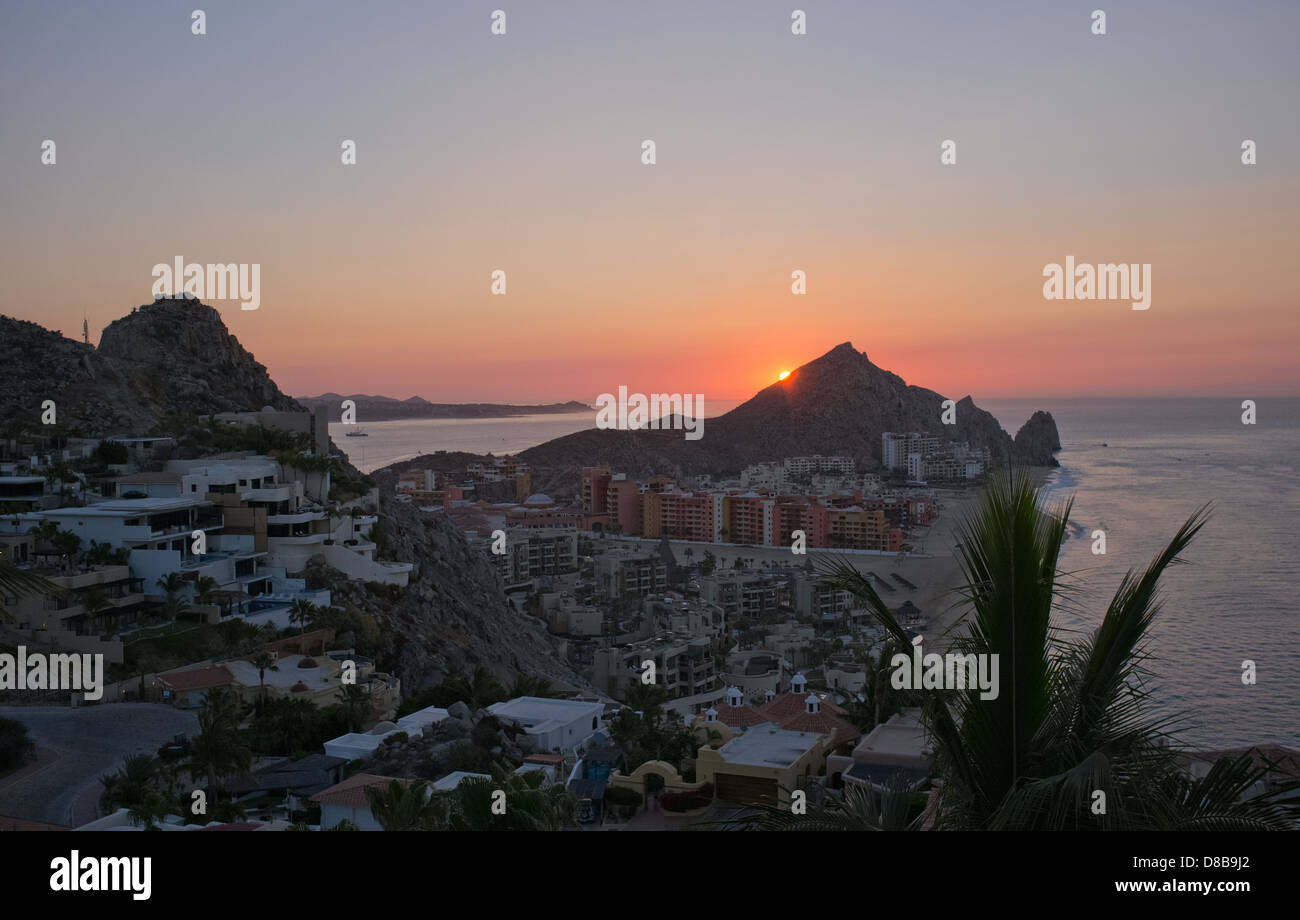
[(176, 357), (169, 356), (839, 403), (454, 615)]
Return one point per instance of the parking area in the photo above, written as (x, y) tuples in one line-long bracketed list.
[(76, 747)]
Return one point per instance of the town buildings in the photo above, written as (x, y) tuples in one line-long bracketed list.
[(921, 458)]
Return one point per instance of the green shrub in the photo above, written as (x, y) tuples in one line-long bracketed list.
[(485, 734), (15, 746)]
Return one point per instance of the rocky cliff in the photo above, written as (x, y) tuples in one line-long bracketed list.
[(454, 615), (1037, 441), (169, 356)]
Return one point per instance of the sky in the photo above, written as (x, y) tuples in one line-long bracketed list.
[(775, 153)]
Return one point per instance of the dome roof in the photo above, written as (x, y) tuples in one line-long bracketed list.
[(307, 662), (538, 498), (299, 687)]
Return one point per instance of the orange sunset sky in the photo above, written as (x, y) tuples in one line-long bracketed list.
[(775, 153)]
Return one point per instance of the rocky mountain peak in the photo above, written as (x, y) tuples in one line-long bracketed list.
[(172, 356)]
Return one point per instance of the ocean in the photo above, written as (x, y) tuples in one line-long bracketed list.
[(1136, 469), (393, 442)]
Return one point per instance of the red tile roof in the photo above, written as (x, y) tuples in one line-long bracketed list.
[(736, 716), (823, 723), (784, 705), (790, 712), (352, 791), (197, 679), (22, 824)]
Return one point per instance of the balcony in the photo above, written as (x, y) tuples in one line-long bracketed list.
[(296, 517), (299, 539)]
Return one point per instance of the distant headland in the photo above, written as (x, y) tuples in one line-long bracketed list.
[(385, 408)]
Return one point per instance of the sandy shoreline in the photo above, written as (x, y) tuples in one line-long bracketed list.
[(934, 571)]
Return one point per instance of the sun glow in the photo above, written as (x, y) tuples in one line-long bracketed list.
[(782, 375)]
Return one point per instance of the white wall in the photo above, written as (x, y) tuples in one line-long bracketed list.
[(355, 565), (363, 818)]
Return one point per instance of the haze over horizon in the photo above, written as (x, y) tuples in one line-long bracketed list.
[(775, 153)]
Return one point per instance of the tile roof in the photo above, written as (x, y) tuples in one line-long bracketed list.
[(739, 716), (825, 723), (784, 705), (352, 791), (22, 824), (790, 711)]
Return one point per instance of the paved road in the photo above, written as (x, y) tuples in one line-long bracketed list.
[(86, 743)]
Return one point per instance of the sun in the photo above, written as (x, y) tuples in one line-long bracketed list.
[(782, 375)]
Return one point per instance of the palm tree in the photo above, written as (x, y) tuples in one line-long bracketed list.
[(529, 804), (135, 788), (533, 685), (479, 691), (304, 614), (355, 703), (45, 531), (1069, 718), (94, 600), (18, 582), (219, 751), (68, 544), (172, 585), (263, 662), (647, 699), (204, 586), (893, 807), (402, 807), (98, 554), (880, 699)]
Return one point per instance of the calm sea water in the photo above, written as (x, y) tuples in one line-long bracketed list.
[(1237, 599), (1162, 460), (392, 442)]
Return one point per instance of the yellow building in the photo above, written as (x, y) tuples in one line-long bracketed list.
[(762, 765)]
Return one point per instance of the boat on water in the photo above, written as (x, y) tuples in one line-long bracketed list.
[(356, 434)]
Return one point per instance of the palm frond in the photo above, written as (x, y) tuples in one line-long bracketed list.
[(21, 582)]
